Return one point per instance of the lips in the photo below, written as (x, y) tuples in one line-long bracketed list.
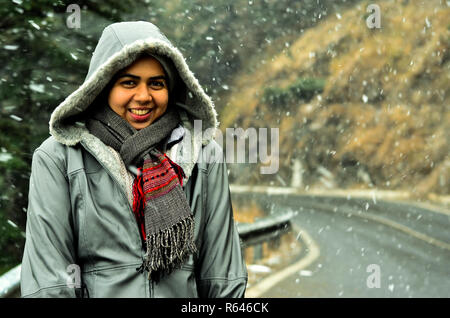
[(140, 114)]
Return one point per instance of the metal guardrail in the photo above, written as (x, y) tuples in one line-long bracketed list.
[(265, 229), (268, 229), (10, 282)]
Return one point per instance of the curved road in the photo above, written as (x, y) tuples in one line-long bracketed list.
[(366, 248)]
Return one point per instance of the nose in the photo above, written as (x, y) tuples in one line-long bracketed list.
[(142, 94)]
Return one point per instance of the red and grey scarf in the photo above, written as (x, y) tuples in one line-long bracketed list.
[(164, 217)]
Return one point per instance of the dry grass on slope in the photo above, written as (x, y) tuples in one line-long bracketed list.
[(384, 107)]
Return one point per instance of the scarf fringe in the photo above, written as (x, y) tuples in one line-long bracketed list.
[(170, 248)]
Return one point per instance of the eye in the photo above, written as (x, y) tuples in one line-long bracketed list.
[(128, 83), (157, 84)]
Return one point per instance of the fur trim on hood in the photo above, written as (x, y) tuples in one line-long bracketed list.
[(119, 46)]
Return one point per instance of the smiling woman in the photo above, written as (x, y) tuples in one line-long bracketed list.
[(118, 189), (140, 94)]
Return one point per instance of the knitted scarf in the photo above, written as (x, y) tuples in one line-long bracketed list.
[(158, 197)]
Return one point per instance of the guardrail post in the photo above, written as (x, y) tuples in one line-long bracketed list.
[(275, 243), (257, 252)]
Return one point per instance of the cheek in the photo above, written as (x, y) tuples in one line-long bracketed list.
[(117, 99), (162, 101)]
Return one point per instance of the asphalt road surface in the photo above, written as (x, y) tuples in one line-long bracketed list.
[(366, 248)]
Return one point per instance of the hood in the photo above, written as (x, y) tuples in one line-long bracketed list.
[(119, 45)]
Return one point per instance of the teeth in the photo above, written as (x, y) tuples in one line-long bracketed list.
[(140, 112)]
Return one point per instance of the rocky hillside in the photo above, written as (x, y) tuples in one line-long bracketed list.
[(355, 107)]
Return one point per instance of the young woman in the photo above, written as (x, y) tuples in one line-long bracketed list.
[(125, 199)]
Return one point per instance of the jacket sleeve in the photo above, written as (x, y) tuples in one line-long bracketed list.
[(49, 246), (223, 271)]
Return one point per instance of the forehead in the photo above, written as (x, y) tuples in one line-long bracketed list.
[(144, 65)]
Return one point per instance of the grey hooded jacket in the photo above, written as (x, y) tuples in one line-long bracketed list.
[(82, 239)]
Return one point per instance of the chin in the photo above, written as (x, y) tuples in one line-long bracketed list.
[(140, 125)]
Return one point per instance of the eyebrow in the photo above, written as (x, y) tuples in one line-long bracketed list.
[(138, 77)]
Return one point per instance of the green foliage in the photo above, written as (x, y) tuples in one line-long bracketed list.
[(11, 241), (277, 97), (301, 90), (306, 88)]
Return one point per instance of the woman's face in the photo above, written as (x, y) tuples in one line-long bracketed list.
[(139, 93)]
